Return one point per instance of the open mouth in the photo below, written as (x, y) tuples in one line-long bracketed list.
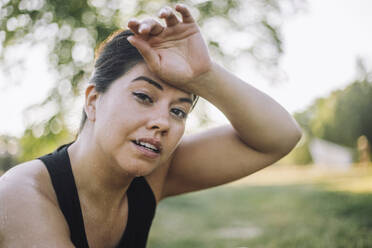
[(146, 145)]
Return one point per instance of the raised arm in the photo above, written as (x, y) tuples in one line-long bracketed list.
[(261, 131), (259, 121)]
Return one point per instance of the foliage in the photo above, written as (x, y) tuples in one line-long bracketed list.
[(343, 116), (8, 149), (35, 145)]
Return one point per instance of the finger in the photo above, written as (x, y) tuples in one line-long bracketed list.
[(150, 27), (133, 25), (169, 16), (148, 54), (185, 12)]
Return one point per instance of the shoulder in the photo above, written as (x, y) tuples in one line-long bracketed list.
[(29, 209), (27, 178)]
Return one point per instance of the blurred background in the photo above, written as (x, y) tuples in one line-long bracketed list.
[(314, 57)]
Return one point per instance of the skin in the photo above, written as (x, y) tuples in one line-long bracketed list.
[(261, 132)]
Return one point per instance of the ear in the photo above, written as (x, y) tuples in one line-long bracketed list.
[(91, 96)]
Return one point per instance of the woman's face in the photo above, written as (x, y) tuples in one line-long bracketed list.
[(140, 120)]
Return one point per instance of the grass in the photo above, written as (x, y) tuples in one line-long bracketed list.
[(279, 207)]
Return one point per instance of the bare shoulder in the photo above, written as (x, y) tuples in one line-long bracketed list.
[(29, 213), (31, 176)]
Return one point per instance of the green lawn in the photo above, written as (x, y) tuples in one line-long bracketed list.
[(311, 214)]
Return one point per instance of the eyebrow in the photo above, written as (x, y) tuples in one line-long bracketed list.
[(157, 85), (149, 80), (185, 99)]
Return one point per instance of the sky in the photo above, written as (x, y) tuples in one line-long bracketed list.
[(321, 47)]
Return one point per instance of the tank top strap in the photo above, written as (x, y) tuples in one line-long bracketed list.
[(60, 171)]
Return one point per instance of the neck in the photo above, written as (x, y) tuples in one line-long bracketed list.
[(98, 179)]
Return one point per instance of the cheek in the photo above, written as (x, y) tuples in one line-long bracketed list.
[(117, 120), (177, 135)]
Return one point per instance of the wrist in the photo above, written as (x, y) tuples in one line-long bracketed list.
[(201, 84)]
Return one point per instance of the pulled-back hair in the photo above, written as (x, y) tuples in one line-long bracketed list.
[(114, 57)]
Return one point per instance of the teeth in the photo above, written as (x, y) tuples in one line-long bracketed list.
[(147, 145)]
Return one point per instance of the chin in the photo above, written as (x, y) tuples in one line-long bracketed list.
[(138, 168), (140, 172)]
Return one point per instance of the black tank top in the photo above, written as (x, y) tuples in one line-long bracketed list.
[(141, 203)]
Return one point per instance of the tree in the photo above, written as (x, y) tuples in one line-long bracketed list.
[(344, 115), (349, 115), (73, 28), (8, 148)]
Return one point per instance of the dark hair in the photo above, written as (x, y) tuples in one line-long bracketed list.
[(114, 57)]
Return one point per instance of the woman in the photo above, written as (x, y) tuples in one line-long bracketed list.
[(102, 190)]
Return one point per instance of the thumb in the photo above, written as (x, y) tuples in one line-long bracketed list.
[(149, 55)]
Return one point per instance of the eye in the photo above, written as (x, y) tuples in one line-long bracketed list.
[(143, 98), (179, 113)]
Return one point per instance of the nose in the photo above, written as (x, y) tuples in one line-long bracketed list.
[(159, 123)]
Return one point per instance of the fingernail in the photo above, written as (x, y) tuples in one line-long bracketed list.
[(143, 27), (164, 11), (167, 10)]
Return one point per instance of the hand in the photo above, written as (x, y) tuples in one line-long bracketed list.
[(177, 52)]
